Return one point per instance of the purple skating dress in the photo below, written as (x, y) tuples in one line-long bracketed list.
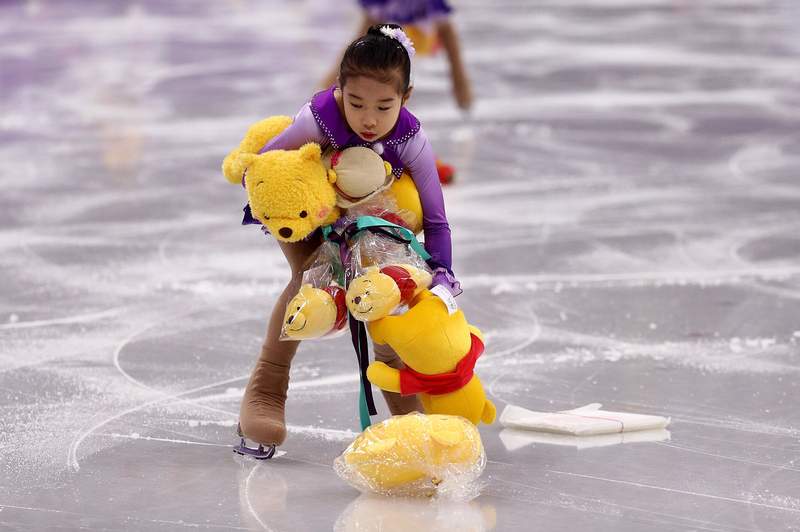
[(405, 147), (406, 11)]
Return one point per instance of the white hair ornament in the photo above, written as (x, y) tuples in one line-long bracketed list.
[(400, 36)]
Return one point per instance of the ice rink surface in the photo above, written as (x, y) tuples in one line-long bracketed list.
[(626, 224)]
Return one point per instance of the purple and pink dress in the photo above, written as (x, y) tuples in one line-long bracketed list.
[(405, 12), (405, 147)]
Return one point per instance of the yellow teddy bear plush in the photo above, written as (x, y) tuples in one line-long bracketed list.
[(290, 191), (257, 135), (293, 192), (379, 291), (439, 350), (415, 455), (314, 313)]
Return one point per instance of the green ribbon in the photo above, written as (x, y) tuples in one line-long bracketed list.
[(363, 223), (366, 222)]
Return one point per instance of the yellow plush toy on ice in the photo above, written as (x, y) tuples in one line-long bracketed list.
[(415, 454), (439, 350), (379, 291)]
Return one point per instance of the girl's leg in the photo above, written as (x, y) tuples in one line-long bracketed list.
[(261, 416), (458, 74), (397, 403)]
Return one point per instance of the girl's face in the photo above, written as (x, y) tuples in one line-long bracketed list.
[(371, 107)]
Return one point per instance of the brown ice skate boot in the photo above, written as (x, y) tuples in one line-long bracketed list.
[(261, 416), (398, 404)]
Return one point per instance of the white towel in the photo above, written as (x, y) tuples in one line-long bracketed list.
[(515, 439), (584, 421)]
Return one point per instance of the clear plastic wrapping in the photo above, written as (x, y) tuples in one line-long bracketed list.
[(385, 272), (415, 455), (318, 310), (385, 205), (386, 276)]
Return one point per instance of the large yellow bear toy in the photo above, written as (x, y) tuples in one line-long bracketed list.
[(257, 135), (439, 350), (414, 454), (292, 192)]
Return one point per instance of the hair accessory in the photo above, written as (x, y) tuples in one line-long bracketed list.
[(400, 36)]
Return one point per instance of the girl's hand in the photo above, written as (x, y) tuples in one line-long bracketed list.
[(442, 277)]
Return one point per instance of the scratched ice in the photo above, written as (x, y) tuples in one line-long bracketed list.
[(626, 223)]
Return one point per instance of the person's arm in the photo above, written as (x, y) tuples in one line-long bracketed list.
[(458, 74), (417, 155), (303, 130)]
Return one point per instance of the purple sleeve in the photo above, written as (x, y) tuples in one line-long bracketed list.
[(304, 129), (417, 155)]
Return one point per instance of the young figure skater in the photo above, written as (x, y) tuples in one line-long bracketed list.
[(429, 25), (366, 108), (432, 28)]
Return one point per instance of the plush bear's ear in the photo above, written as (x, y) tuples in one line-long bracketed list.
[(311, 151), (388, 168), (332, 177), (247, 160)]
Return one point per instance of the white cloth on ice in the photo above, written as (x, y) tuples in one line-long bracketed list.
[(584, 421), (515, 439)]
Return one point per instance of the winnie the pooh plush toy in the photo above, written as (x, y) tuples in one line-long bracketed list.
[(414, 455), (257, 135), (439, 350), (293, 192), (315, 313), (379, 291), (289, 191)]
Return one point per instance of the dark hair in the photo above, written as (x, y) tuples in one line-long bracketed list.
[(376, 56)]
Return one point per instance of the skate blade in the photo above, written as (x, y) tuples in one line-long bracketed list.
[(261, 453)]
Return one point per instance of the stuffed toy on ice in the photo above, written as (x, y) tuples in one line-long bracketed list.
[(380, 290), (414, 454), (315, 313), (439, 350)]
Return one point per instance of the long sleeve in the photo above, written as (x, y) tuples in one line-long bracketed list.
[(304, 129), (417, 155)]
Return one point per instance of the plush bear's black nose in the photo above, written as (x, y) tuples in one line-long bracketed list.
[(290, 320), (357, 300), (285, 232)]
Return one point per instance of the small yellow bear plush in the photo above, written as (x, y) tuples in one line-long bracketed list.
[(415, 455), (379, 291), (439, 350), (314, 313)]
